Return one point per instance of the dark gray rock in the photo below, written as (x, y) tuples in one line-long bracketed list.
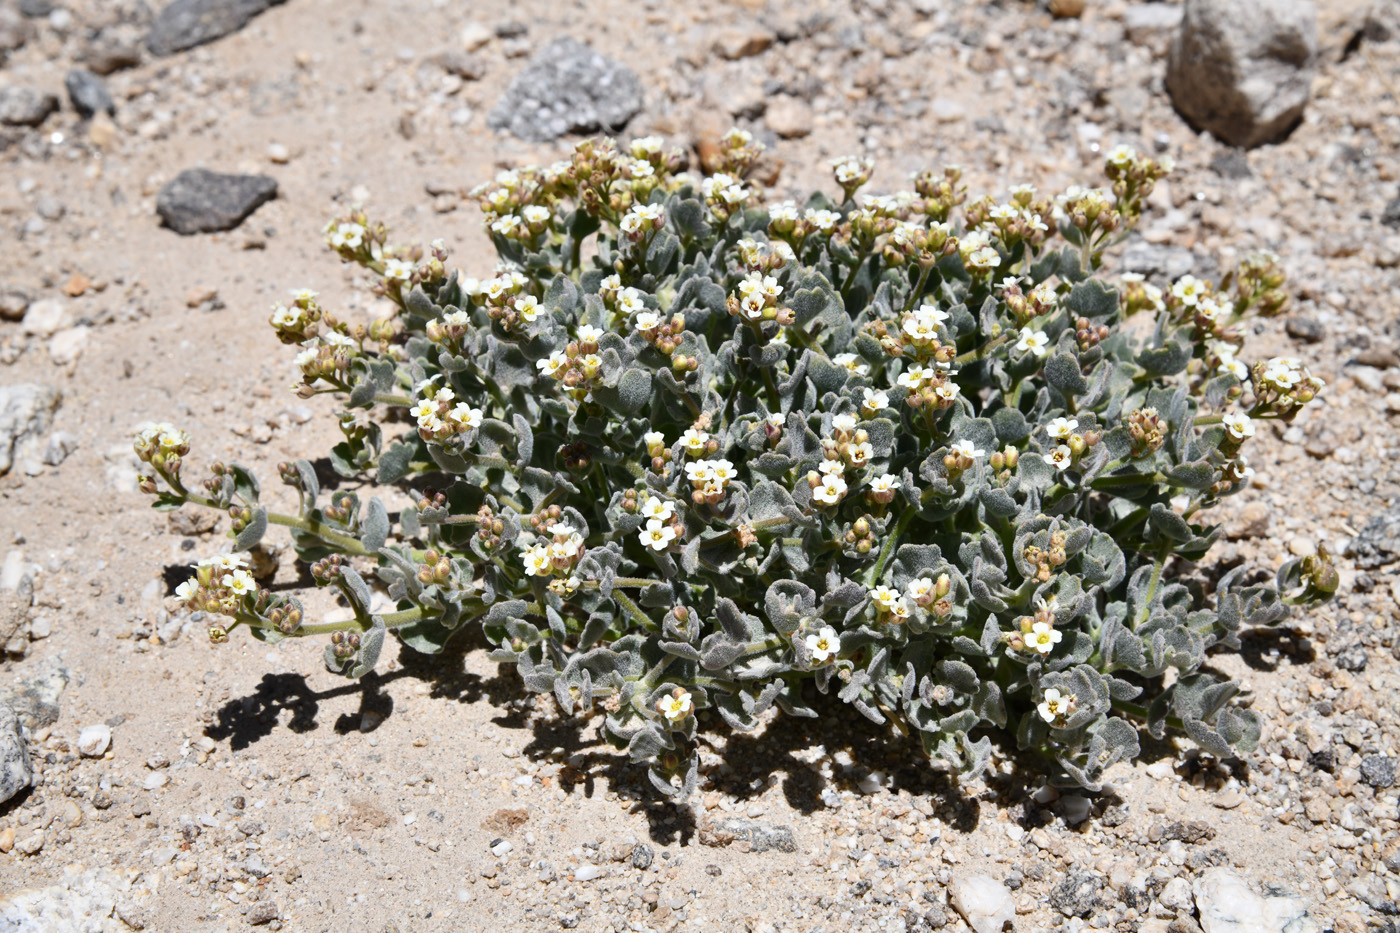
[(642, 855), (88, 93), (1379, 541), (568, 88), (35, 698), (24, 106), (1391, 215), (15, 771), (1077, 895), (1308, 329), (185, 24), (1231, 164), (1243, 69), (110, 52), (1378, 770), (201, 201), (35, 8)]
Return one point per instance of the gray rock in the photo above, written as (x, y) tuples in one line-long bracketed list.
[(1379, 541), (111, 52), (568, 88), (15, 30), (60, 445), (462, 64), (1390, 216), (201, 201), (985, 903), (26, 413), (35, 699), (1378, 770), (1231, 164), (185, 24), (13, 303), (88, 93), (24, 106), (1077, 895), (1143, 22), (642, 855), (262, 912), (1227, 904), (36, 8), (1308, 329), (15, 771), (1147, 258), (1243, 69), (761, 837)]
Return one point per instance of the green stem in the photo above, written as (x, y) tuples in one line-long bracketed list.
[(887, 550), (982, 351), (1140, 712), (346, 543)]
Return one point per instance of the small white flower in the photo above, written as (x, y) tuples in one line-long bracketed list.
[(885, 482), (398, 270), (846, 423), (465, 415), (914, 377), (900, 610), (347, 236), (235, 561), (505, 224), (968, 449), (1060, 458), (1043, 638), (587, 333), (551, 365), (283, 316), (919, 589), (721, 471), (876, 400), (825, 221), (644, 146), (1061, 428), (657, 535), (1034, 341), (947, 391), (1188, 290), (853, 363), (699, 471), (824, 645), (695, 441), (240, 582), (832, 467), (861, 453), (652, 438), (1053, 705), (674, 707), (187, 590), (658, 509), (535, 214), (885, 597), (647, 321), (1122, 156), (528, 307), (783, 212), (629, 300), (1239, 425), (537, 561), (830, 490), (984, 259)]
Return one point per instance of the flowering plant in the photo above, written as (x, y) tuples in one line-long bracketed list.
[(687, 455)]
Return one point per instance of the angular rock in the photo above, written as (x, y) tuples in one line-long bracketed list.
[(35, 699), (1379, 541), (760, 836), (1243, 69), (185, 24), (1077, 895), (201, 201), (15, 771), (26, 413), (13, 303), (1143, 22), (111, 52), (1378, 771), (24, 106), (88, 93), (94, 741), (789, 117), (1227, 904), (568, 88), (985, 903)]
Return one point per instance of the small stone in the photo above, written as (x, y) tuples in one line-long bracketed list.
[(1176, 894), (789, 117), (7, 839), (464, 65), (1378, 543), (67, 345), (1390, 215), (946, 110), (16, 773), (256, 867), (1228, 800), (1243, 69), (474, 35), (94, 741), (201, 201), (760, 837), (588, 873), (501, 848), (133, 915), (23, 106), (45, 318), (13, 303), (30, 845), (88, 93), (642, 856), (742, 42), (1144, 22), (156, 780), (26, 415), (1076, 809), (985, 903), (263, 912), (51, 208), (1066, 9), (1378, 771), (1252, 522), (111, 52), (568, 88), (1227, 904), (15, 31), (278, 154), (185, 24), (1301, 546), (1077, 895)]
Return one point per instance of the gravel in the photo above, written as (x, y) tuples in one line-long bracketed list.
[(201, 201), (1378, 544), (568, 88)]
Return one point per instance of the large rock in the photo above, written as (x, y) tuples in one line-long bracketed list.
[(185, 24), (26, 414), (1243, 69), (568, 88), (201, 201), (24, 106), (985, 903), (15, 771), (1227, 904)]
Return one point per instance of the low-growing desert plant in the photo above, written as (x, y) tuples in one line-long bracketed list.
[(684, 454)]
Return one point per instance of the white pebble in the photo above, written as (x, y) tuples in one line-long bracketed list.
[(155, 780), (94, 741), (501, 848), (588, 873)]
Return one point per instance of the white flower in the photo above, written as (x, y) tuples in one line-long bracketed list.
[(1188, 290), (825, 221), (587, 333), (875, 400), (652, 438), (695, 441), (562, 530), (830, 490), (647, 321), (629, 300), (861, 453), (752, 307), (968, 449), (914, 377), (947, 391), (1053, 705), (644, 146), (674, 706), (187, 590), (505, 224), (885, 596), (457, 318), (283, 316), (1043, 638), (1034, 341), (398, 270), (832, 468), (658, 509), (233, 561), (641, 216), (1060, 458), (535, 214), (721, 471), (824, 645), (1284, 371), (537, 561), (699, 471), (528, 307), (984, 258), (885, 482), (556, 361), (465, 415), (444, 394), (852, 363), (1235, 368), (240, 582), (784, 211), (347, 236), (1061, 428), (900, 610), (657, 535), (611, 283), (846, 423), (1122, 156), (640, 168), (919, 589), (1239, 425)]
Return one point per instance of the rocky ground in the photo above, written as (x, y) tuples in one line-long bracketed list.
[(179, 786)]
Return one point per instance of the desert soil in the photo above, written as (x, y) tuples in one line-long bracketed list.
[(246, 785)]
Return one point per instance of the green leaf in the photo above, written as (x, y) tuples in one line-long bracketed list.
[(253, 532), (394, 463), (374, 525)]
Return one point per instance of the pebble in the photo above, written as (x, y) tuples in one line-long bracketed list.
[(23, 106), (16, 773), (201, 201), (588, 873), (1378, 770), (278, 154), (45, 318), (156, 780), (789, 117), (1227, 904), (568, 87), (475, 35), (88, 93), (985, 903), (94, 740), (185, 24)]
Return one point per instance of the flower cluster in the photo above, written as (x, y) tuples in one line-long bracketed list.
[(682, 456)]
